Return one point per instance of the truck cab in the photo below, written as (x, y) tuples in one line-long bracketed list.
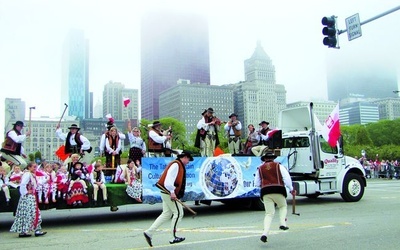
[(317, 168)]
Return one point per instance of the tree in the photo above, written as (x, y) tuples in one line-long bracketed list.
[(178, 131), (382, 132)]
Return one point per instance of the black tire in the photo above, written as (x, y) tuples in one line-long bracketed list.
[(353, 188), (257, 204), (312, 196)]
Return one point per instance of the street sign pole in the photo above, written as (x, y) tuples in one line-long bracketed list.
[(369, 20)]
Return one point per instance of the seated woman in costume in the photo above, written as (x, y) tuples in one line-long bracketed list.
[(131, 174)]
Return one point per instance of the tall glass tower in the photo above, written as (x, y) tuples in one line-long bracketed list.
[(173, 46), (75, 75)]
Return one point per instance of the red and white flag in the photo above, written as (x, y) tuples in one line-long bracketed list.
[(126, 101), (331, 128)]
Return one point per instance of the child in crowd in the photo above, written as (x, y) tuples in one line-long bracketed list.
[(3, 184), (50, 184), (14, 177), (98, 181), (62, 181), (131, 173), (78, 174)]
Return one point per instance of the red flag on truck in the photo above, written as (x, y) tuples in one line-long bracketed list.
[(331, 128)]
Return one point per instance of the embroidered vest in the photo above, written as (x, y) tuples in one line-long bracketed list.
[(154, 146), (10, 146), (271, 179), (180, 181), (69, 149)]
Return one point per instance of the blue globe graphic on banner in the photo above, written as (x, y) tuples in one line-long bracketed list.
[(220, 176)]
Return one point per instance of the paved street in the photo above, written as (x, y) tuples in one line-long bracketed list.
[(324, 223)]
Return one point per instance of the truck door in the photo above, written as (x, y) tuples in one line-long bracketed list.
[(330, 160)]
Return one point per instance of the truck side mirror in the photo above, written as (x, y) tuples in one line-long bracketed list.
[(341, 150)]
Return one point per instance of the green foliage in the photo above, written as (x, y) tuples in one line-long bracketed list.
[(384, 132), (178, 131), (31, 157), (379, 138)]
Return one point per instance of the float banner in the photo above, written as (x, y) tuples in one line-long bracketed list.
[(207, 178)]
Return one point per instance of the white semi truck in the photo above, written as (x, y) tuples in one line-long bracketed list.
[(315, 167)]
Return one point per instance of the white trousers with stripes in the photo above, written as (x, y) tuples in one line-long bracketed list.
[(170, 209)]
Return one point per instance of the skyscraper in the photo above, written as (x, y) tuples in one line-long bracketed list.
[(173, 46), (75, 75), (259, 98), (355, 77), (113, 95)]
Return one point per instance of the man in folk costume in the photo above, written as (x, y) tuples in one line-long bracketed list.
[(207, 133), (262, 139), (273, 178), (173, 180), (234, 131), (75, 143), (27, 217), (12, 149), (157, 140)]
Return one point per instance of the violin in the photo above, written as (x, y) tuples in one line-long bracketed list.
[(217, 121)]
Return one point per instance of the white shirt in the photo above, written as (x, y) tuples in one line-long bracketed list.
[(203, 125), (171, 177), (287, 180), (156, 137), (103, 140), (102, 178), (26, 177), (84, 140), (136, 141), (110, 150), (229, 129), (17, 139)]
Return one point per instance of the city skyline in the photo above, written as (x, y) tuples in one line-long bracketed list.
[(174, 46), (30, 49)]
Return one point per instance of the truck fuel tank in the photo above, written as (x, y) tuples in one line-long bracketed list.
[(305, 187)]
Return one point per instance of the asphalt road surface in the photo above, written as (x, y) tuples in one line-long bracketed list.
[(324, 223)]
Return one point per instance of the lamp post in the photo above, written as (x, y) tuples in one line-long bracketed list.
[(30, 126)]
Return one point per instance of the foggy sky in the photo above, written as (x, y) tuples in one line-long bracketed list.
[(32, 33)]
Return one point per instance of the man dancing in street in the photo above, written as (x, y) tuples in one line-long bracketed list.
[(172, 184), (273, 177)]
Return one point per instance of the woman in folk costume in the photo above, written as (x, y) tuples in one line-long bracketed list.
[(113, 147), (131, 173), (252, 140), (27, 217), (110, 124), (113, 158), (137, 145)]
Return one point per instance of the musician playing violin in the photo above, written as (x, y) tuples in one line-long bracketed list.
[(207, 133), (233, 128), (159, 140)]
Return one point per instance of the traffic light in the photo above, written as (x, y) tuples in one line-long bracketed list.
[(329, 31)]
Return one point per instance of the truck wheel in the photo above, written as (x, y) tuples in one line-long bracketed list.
[(312, 196), (353, 188), (257, 204)]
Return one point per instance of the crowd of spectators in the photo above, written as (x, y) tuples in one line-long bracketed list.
[(389, 169)]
